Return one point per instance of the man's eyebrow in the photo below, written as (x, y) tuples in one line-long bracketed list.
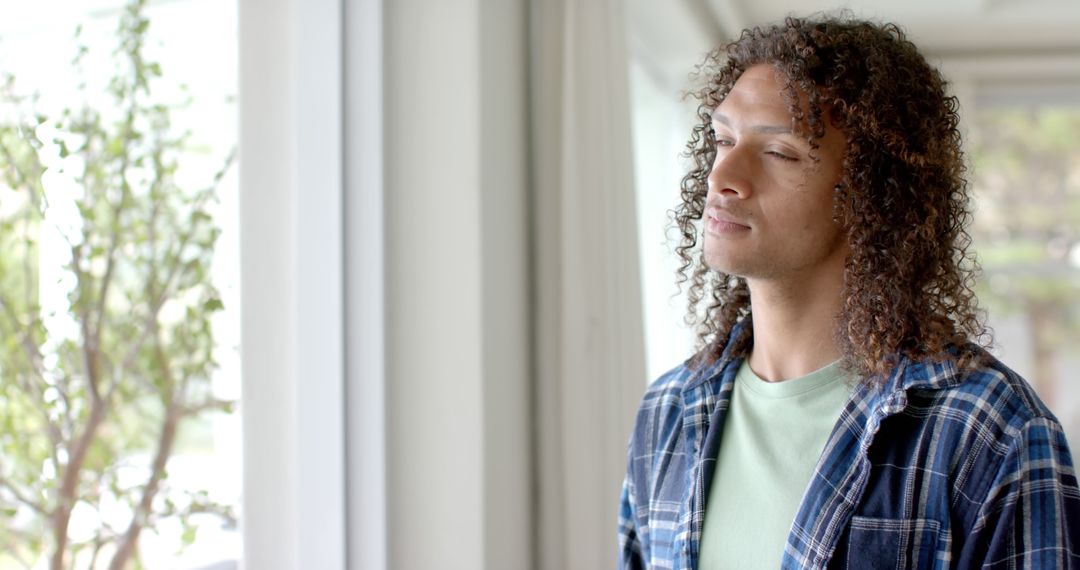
[(761, 129)]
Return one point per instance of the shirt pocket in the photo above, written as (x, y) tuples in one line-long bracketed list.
[(892, 543)]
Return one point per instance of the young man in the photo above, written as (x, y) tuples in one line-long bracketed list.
[(842, 412)]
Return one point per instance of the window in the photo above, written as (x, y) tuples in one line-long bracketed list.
[(1025, 148), (118, 273)]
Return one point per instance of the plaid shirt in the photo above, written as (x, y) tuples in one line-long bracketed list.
[(937, 468)]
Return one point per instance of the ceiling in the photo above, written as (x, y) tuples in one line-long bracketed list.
[(668, 38)]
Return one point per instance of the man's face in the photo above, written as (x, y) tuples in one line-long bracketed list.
[(768, 214)]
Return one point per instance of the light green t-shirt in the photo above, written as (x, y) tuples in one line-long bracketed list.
[(773, 435)]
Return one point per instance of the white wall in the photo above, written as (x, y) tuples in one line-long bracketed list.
[(291, 283), (457, 359), (474, 311)]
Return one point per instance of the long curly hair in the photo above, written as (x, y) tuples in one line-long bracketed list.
[(902, 198)]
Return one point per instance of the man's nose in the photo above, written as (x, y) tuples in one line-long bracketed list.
[(732, 172)]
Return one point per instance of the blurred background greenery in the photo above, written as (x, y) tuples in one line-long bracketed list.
[(118, 442)]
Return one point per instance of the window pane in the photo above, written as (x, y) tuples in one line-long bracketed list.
[(1025, 145), (119, 329)]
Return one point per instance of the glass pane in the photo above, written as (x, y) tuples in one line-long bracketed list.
[(119, 328), (1026, 153), (661, 122)]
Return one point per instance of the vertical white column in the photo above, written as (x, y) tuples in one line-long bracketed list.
[(365, 297), (457, 366), (291, 284), (590, 362), (317, 199), (434, 347), (267, 254), (505, 270)]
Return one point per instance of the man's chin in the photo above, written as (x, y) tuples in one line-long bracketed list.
[(727, 264)]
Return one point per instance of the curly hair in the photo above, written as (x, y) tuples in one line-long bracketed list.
[(902, 198)]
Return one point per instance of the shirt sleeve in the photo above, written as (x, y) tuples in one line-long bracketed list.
[(630, 557), (1031, 515)]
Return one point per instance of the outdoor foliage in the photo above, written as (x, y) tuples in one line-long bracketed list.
[(1027, 166), (106, 345)]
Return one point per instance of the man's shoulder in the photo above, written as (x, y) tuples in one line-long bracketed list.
[(667, 399), (671, 382), (988, 393), (663, 397), (668, 389), (989, 424)]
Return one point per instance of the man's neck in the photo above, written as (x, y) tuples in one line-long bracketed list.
[(794, 327)]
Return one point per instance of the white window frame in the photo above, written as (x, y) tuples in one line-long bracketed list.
[(290, 93)]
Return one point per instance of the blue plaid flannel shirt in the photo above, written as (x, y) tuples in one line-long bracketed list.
[(937, 468)]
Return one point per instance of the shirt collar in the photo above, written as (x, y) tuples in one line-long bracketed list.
[(715, 371), (908, 374)]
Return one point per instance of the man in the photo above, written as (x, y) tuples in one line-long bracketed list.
[(842, 412)]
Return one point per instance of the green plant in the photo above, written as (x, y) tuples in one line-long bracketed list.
[(1027, 167), (115, 364)]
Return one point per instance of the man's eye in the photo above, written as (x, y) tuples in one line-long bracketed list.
[(781, 156)]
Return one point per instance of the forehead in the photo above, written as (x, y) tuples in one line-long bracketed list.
[(760, 92)]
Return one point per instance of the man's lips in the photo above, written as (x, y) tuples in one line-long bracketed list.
[(720, 221)]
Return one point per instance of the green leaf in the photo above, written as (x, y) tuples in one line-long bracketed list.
[(115, 147), (187, 538)]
